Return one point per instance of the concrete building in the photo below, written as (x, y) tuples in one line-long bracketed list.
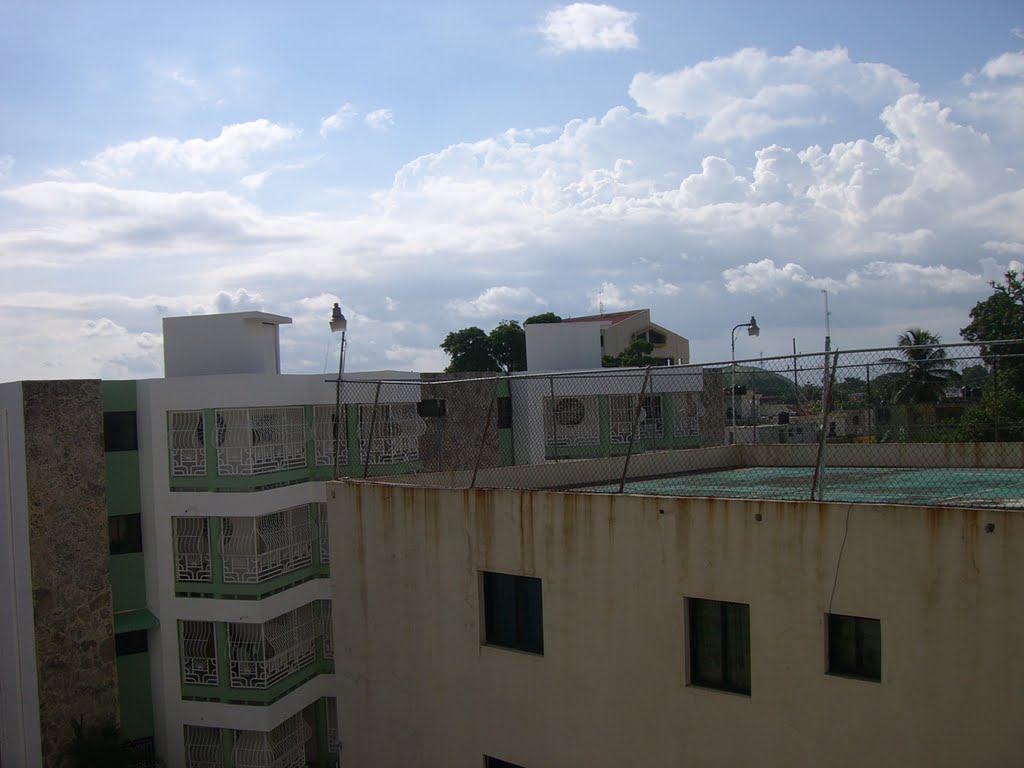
[(509, 625), (579, 342), (165, 550)]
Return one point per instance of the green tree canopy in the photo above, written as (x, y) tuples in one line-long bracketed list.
[(637, 354), (544, 317), (923, 370), (508, 346), (1001, 316), (470, 351)]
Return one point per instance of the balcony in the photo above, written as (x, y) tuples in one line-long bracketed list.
[(249, 557), (256, 549), (306, 738), (255, 663)]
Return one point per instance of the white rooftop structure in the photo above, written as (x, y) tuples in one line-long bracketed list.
[(234, 342)]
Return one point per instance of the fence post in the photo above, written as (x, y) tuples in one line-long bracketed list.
[(632, 431), (818, 481), (554, 422), (373, 427), (483, 437)]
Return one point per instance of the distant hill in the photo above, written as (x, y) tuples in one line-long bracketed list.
[(758, 380)]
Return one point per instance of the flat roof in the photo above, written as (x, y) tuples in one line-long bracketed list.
[(932, 486)]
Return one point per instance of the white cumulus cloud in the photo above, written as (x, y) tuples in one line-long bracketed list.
[(751, 93), (230, 150), (339, 121), (1006, 65), (380, 119), (504, 301), (589, 27)]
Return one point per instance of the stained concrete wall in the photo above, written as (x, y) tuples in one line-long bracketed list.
[(417, 687), (70, 560)]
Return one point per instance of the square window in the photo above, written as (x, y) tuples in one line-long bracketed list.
[(719, 645), (513, 612), (125, 532), (433, 409), (131, 642), (119, 431), (493, 762), (854, 647)]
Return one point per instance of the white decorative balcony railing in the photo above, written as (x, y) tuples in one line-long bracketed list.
[(325, 546), (326, 631), (254, 549), (622, 413), (198, 652), (260, 440), (263, 654), (396, 431), (686, 411), (186, 443), (283, 747), (203, 747), (325, 432), (572, 421), (192, 549)]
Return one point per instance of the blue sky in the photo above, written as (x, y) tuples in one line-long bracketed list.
[(438, 165)]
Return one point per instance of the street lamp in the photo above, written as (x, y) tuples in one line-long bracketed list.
[(752, 330), (338, 323)]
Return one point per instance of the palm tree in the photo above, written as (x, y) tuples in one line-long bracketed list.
[(923, 372)]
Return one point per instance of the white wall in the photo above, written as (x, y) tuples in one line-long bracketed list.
[(528, 393), (155, 398), (237, 342), (562, 346), (19, 694)]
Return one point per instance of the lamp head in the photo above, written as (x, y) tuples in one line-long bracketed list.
[(338, 321), (752, 329)]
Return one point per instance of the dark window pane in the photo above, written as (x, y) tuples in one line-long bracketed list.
[(125, 532), (854, 646), (513, 612), (720, 645), (493, 762), (131, 642), (119, 431)]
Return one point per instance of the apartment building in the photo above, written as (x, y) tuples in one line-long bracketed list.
[(165, 550)]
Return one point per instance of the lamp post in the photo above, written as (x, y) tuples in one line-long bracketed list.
[(338, 323), (752, 330)]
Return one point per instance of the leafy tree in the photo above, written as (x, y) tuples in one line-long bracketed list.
[(470, 351), (508, 346), (1001, 316), (924, 371), (999, 416), (544, 317), (636, 354), (96, 746)]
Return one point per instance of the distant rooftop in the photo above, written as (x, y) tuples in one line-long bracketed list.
[(609, 317)]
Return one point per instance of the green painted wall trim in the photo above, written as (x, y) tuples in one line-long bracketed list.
[(124, 496), (225, 694), (128, 581), (135, 696), (133, 621), (118, 395)]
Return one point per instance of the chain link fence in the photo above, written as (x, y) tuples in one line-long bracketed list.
[(924, 425)]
